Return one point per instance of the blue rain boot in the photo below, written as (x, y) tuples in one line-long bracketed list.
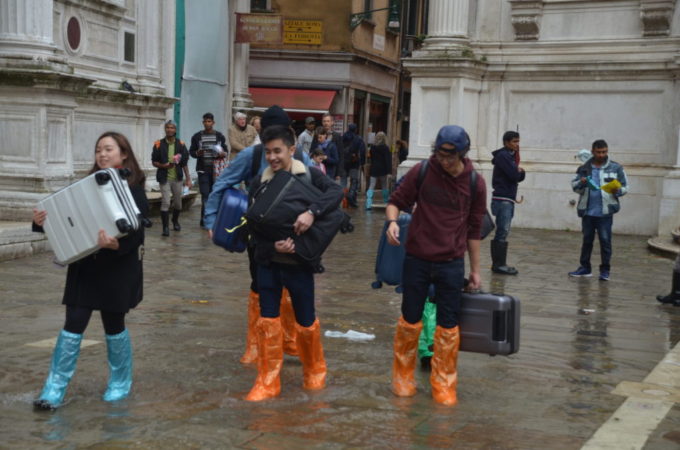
[(119, 351), (369, 199), (63, 366), (386, 195)]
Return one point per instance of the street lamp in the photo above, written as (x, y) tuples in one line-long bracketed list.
[(392, 20)]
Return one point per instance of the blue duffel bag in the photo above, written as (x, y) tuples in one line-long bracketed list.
[(229, 230), (389, 261)]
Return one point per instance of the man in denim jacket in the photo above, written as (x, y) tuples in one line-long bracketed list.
[(597, 204)]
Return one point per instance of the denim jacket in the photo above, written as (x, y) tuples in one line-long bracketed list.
[(611, 170)]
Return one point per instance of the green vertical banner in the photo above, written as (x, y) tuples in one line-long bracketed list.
[(180, 39)]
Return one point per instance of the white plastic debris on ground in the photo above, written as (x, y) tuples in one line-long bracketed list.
[(351, 335)]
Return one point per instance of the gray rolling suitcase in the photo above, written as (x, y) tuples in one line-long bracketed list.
[(489, 323), (76, 213)]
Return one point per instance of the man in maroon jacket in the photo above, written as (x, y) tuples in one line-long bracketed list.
[(444, 225)]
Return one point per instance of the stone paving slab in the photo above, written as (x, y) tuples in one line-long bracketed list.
[(188, 335)]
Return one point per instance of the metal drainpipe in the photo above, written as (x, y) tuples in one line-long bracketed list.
[(180, 39)]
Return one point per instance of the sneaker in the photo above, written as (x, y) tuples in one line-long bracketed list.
[(604, 275), (581, 272)]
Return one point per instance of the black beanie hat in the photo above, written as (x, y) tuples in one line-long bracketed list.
[(274, 115)]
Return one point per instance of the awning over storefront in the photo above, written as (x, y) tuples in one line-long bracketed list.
[(292, 100)]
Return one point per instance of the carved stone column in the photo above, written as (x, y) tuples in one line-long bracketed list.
[(26, 34), (448, 24), (526, 19), (241, 98)]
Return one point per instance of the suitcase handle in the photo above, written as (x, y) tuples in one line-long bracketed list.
[(123, 226), (146, 223), (102, 178)]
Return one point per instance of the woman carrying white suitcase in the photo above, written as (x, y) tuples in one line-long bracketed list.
[(109, 280)]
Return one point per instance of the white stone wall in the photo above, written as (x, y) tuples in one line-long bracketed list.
[(57, 101), (567, 73)]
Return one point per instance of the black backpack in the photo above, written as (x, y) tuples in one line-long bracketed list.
[(277, 204)]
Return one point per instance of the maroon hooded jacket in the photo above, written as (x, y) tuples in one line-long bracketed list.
[(444, 219)]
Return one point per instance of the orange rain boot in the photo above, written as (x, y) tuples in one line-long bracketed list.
[(404, 365), (269, 360), (444, 376), (288, 323), (311, 355), (345, 203), (250, 355)]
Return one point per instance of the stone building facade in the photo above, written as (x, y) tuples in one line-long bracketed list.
[(565, 72), (70, 70)]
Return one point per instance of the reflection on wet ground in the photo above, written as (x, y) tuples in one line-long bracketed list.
[(580, 339)]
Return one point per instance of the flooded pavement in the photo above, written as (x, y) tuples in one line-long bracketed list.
[(580, 339)]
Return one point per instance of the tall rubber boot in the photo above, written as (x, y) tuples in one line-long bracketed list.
[(386, 195), (250, 355), (345, 203), (311, 355), (444, 375), (288, 323), (674, 297), (426, 338), (269, 360), (404, 365), (119, 353), (369, 199), (62, 368), (175, 220), (165, 220), (499, 252)]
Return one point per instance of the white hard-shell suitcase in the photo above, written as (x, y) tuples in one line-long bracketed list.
[(76, 213)]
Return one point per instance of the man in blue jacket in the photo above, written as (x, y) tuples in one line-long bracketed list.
[(598, 202), (506, 176), (242, 169)]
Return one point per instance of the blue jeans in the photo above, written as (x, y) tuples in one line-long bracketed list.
[(447, 278), (603, 226), (298, 280), (504, 212)]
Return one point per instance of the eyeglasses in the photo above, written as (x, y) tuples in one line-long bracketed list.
[(445, 157)]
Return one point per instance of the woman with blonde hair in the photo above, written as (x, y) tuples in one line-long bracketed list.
[(381, 166)]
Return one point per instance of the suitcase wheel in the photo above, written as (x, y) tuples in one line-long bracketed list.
[(124, 173), (376, 284), (123, 226), (102, 178), (399, 289)]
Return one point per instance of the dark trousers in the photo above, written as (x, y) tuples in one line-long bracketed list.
[(603, 227), (77, 319), (206, 180), (447, 278), (252, 266), (298, 280)]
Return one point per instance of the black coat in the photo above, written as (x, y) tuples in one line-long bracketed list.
[(381, 161), (159, 154), (110, 280), (330, 199)]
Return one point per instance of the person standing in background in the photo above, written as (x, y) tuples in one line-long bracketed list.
[(206, 146), (506, 177), (170, 157)]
